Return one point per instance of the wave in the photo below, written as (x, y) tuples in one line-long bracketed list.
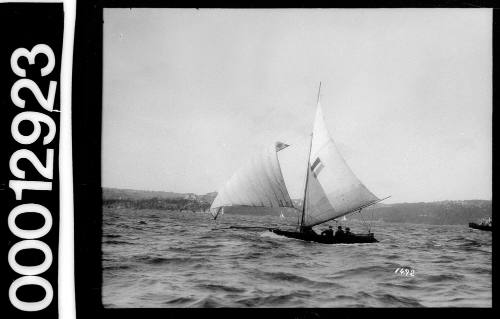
[(179, 249), (447, 259), (179, 301), (269, 301), (111, 236), (292, 299), (208, 302), (117, 267), (365, 270), (296, 279), (216, 287), (407, 285), (285, 255), (206, 246), (481, 270), (118, 242), (268, 234), (470, 245), (399, 301), (444, 277), (171, 261)]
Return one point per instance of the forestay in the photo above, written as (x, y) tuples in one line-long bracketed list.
[(259, 183), (332, 188)]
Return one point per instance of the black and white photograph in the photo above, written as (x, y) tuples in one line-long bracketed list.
[(296, 158)]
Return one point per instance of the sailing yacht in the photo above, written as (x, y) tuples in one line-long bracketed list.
[(484, 224), (331, 189)]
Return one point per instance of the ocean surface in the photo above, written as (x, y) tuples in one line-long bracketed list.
[(171, 259)]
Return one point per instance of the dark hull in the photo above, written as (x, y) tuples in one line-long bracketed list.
[(351, 239), (481, 227)]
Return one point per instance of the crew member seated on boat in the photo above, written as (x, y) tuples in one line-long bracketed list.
[(339, 233), (327, 232), (348, 231)]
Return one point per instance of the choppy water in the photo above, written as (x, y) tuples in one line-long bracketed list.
[(170, 259)]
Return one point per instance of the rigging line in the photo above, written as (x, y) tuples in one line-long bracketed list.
[(372, 217), (363, 219)]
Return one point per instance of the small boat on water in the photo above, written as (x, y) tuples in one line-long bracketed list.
[(350, 239), (331, 190), (484, 224)]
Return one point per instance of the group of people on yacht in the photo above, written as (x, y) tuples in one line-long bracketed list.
[(339, 233)]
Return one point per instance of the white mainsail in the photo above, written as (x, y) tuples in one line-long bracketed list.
[(332, 188), (260, 184)]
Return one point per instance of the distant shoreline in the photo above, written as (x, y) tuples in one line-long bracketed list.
[(432, 213), (129, 193)]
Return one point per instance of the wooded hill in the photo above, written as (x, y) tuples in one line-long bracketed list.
[(138, 199), (438, 213)]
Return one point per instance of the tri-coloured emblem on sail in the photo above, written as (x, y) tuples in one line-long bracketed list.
[(317, 166)]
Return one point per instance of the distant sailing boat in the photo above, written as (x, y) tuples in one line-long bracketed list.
[(485, 224), (331, 188)]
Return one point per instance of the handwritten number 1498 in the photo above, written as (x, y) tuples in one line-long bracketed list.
[(405, 272)]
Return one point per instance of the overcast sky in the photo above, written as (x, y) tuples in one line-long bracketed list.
[(189, 95)]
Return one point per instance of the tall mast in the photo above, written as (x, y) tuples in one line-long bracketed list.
[(319, 92), (305, 186), (307, 167)]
